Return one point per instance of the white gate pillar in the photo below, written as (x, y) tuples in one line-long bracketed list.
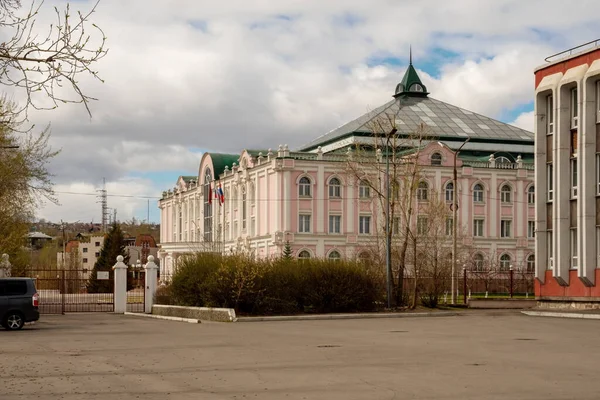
[(150, 287), (120, 291)]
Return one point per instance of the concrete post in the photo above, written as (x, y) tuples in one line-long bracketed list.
[(120, 280), (5, 267), (150, 287)]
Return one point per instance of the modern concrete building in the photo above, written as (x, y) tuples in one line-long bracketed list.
[(567, 175), (265, 199)]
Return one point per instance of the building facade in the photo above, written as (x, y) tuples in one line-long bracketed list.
[(567, 162), (259, 201)]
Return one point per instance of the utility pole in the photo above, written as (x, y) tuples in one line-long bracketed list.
[(454, 223)]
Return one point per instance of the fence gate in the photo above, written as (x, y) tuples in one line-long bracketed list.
[(70, 290), (136, 282)]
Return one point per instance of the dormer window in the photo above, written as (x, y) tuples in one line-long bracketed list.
[(574, 109), (436, 159), (415, 87)]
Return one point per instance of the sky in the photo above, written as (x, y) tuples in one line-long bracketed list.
[(188, 76)]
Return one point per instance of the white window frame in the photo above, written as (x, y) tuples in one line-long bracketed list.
[(574, 178), (506, 195), (332, 254), (302, 252), (531, 229), (478, 227), (504, 263), (449, 226), (531, 195), (364, 224), (423, 191), (478, 261), (304, 189), (478, 193), (530, 263), (505, 228), (574, 108), (436, 159), (364, 190), (422, 225), (550, 180), (449, 193), (335, 221), (335, 189), (304, 223), (549, 114), (573, 245)]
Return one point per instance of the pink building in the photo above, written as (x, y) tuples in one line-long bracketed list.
[(306, 198)]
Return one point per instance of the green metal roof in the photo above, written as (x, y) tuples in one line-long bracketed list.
[(405, 87), (220, 160)]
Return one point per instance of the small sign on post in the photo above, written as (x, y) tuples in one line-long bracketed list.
[(102, 275)]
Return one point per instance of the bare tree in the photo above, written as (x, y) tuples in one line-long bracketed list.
[(52, 63), (369, 166)]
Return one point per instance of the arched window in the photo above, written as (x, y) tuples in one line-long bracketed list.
[(503, 162), (335, 188), (449, 191), (478, 262), (208, 210), (304, 255), (304, 187), (504, 262), (531, 263), (364, 257), (531, 195), (505, 194), (478, 193), (364, 191), (335, 255), (422, 191), (436, 159)]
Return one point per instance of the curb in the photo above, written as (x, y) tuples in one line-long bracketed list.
[(188, 320), (560, 314), (324, 317)]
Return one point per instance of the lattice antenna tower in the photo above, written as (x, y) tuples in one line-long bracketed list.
[(103, 196)]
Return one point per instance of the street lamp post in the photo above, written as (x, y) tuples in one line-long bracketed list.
[(454, 223)]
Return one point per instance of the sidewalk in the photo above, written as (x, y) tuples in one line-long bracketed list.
[(580, 314)]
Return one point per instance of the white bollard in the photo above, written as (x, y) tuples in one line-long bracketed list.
[(120, 294), (150, 287)]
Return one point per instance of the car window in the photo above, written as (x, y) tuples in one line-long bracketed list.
[(13, 288)]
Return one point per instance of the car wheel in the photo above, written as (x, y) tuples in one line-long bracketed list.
[(14, 321)]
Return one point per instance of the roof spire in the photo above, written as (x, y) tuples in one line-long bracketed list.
[(410, 55)]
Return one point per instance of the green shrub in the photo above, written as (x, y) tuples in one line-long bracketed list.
[(275, 286)]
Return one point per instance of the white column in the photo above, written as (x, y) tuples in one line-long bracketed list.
[(287, 192), (520, 220), (120, 281), (464, 205), (150, 288), (351, 200), (493, 200)]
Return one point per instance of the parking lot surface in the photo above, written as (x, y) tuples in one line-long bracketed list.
[(480, 355)]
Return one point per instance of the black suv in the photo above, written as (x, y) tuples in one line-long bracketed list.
[(19, 302)]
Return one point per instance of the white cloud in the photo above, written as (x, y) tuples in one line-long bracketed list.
[(237, 74), (525, 121)]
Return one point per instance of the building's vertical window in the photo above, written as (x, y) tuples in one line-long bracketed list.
[(364, 224), (574, 109), (335, 188), (478, 262), (574, 136), (478, 227), (335, 255), (531, 195), (505, 262), (208, 210), (598, 101), (505, 194), (449, 226), (396, 226), (574, 178), (505, 228), (574, 248), (478, 193), (303, 255), (450, 191), (180, 227), (531, 263), (422, 225), (550, 183), (530, 229), (422, 191), (550, 246), (436, 159), (549, 115), (304, 226), (364, 191), (304, 187), (335, 222)]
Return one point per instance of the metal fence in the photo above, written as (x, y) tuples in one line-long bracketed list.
[(69, 290)]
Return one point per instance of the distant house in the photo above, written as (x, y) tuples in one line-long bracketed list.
[(37, 239)]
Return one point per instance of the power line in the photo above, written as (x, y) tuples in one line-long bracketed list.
[(109, 195)]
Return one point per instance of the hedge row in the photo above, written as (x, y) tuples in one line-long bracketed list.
[(263, 287)]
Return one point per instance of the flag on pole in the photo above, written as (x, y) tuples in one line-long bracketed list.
[(221, 195)]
